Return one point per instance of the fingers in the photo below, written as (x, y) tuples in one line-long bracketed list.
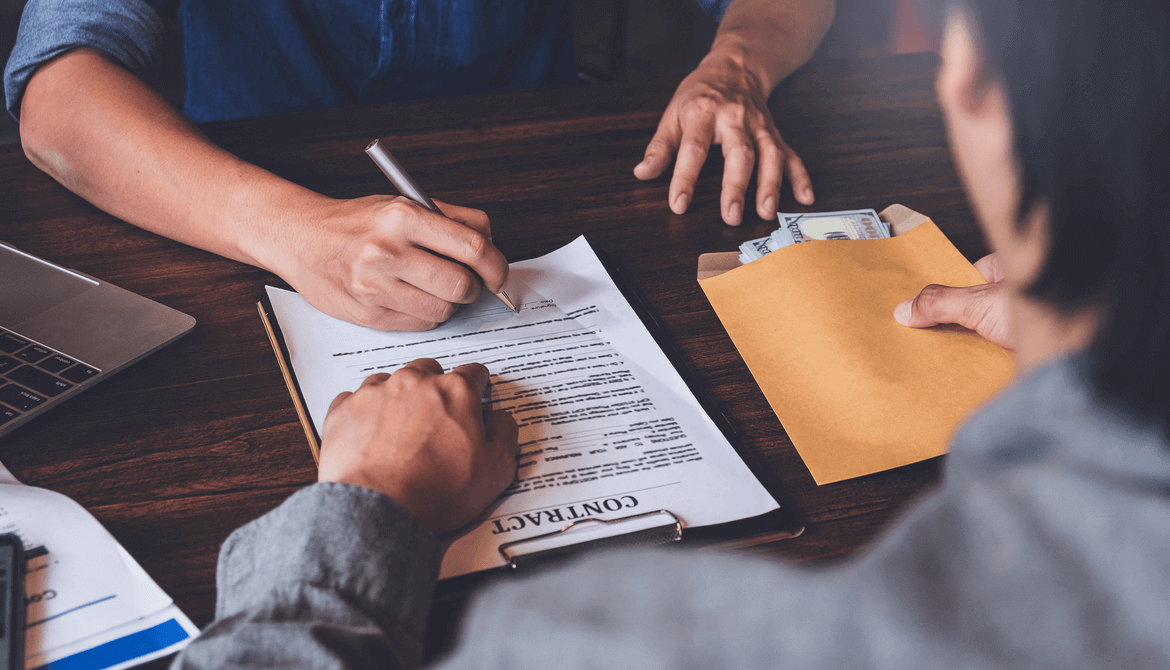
[(797, 176), (776, 159), (660, 152), (976, 307), (337, 401), (475, 375), (443, 280), (937, 304), (697, 135), (468, 216), (381, 318), (388, 303), (424, 365), (981, 308), (422, 266), (770, 177), (461, 243), (739, 161), (746, 133), (376, 378), (990, 268), (501, 437), (501, 428)]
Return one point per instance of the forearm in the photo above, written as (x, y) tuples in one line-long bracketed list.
[(133, 155), (771, 38), (338, 576)]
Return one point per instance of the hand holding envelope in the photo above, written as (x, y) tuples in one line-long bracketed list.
[(856, 392)]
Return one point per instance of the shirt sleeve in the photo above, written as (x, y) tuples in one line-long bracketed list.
[(128, 31), (991, 574), (1026, 567), (341, 577), (338, 576)]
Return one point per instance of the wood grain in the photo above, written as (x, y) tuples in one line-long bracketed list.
[(174, 453)]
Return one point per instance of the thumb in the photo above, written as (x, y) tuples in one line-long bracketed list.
[(501, 432), (990, 268), (942, 304), (501, 436), (661, 150), (981, 308)]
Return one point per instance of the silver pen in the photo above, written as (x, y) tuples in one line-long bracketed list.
[(407, 186)]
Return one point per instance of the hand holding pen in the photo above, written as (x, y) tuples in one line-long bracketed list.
[(410, 189), (379, 261)]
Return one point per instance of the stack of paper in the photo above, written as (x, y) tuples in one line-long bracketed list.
[(90, 605)]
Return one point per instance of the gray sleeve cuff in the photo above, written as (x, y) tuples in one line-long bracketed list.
[(129, 31), (342, 539)]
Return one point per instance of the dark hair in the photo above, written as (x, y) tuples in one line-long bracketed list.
[(1089, 89)]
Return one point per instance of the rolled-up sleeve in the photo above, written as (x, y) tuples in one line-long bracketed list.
[(338, 576), (128, 31)]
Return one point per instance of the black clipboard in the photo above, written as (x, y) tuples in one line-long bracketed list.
[(781, 523)]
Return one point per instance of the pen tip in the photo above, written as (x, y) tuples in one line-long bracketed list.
[(508, 301)]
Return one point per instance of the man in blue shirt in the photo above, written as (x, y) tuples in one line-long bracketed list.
[(365, 260)]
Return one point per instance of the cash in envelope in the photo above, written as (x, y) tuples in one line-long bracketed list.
[(855, 224)]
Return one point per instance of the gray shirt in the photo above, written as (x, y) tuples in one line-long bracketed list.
[(1048, 545)]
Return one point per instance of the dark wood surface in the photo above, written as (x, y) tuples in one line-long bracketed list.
[(177, 451)]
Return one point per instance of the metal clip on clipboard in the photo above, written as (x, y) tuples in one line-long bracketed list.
[(647, 529)]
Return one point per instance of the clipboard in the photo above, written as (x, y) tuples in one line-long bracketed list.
[(586, 534)]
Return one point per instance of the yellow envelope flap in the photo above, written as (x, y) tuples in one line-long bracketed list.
[(856, 392)]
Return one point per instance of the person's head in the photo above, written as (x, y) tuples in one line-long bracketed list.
[(1058, 113)]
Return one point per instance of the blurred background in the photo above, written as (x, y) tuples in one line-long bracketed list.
[(632, 40)]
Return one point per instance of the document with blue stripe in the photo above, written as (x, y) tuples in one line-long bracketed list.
[(90, 605)]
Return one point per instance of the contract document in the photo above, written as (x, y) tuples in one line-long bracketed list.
[(608, 428)]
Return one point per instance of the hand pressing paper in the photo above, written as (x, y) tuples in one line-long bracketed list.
[(857, 393)]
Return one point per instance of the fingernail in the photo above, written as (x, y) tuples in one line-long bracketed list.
[(808, 196), (902, 312), (680, 203), (735, 214), (770, 205)]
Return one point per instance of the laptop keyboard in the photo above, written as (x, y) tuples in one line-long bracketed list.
[(32, 373)]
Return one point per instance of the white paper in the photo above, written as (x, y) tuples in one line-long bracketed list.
[(168, 615), (83, 589), (608, 429)]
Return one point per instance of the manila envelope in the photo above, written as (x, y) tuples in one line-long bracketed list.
[(856, 392)]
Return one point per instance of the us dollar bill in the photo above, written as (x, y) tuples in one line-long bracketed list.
[(855, 224), (753, 250)]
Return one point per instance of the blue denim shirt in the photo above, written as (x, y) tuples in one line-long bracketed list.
[(261, 57)]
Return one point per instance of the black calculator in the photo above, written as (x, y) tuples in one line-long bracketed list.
[(12, 591)]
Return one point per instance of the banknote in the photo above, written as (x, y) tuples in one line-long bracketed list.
[(856, 224), (753, 250)]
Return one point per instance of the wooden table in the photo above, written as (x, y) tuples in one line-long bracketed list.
[(177, 451)]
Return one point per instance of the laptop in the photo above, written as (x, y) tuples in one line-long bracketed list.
[(62, 331)]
